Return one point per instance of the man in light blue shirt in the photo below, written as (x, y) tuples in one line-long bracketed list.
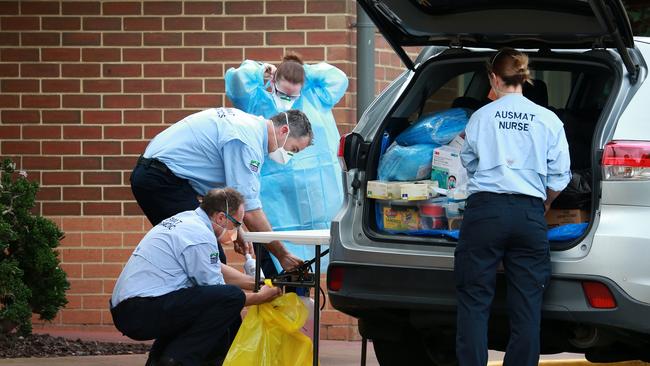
[(175, 290), (219, 147)]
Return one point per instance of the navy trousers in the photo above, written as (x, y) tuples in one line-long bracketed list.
[(161, 194), (193, 325), (510, 229)]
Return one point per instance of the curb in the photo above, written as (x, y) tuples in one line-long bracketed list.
[(578, 363)]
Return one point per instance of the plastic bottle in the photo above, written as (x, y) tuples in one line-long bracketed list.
[(249, 266), (308, 328)]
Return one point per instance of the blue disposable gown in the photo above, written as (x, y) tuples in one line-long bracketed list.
[(307, 192)]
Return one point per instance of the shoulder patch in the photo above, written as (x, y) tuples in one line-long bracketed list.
[(254, 165), (214, 258)]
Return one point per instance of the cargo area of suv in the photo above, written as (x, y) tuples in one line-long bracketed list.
[(576, 88), (392, 244)]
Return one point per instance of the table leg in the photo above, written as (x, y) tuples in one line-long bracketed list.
[(257, 266), (316, 306)]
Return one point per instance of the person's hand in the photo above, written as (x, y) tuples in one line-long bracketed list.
[(290, 261), (269, 71), (267, 293), (547, 206), (242, 247)]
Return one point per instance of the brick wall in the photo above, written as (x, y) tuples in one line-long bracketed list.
[(84, 85)]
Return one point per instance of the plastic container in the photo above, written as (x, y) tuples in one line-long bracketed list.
[(432, 217), (249, 267)]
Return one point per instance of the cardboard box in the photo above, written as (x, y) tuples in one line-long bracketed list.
[(457, 142), (420, 190), (447, 169), (557, 217), (401, 218), (455, 222), (383, 190)]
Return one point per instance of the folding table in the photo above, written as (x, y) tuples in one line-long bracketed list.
[(300, 237)]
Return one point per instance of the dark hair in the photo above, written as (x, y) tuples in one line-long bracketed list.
[(299, 124), (215, 201), (511, 66), (290, 69)]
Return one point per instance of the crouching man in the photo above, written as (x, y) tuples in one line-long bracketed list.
[(175, 290)]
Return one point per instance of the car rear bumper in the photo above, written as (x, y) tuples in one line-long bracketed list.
[(369, 290)]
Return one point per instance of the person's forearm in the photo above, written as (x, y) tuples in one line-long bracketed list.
[(253, 298), (550, 196), (233, 277), (256, 220)]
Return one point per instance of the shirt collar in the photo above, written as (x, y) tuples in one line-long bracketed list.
[(204, 217)]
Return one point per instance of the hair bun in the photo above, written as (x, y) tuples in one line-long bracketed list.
[(292, 56)]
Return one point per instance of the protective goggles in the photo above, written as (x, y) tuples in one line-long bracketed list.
[(284, 96)]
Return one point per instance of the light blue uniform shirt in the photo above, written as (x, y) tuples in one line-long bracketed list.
[(513, 145), (216, 148), (178, 253)]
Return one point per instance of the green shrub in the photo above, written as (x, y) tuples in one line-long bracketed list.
[(31, 280)]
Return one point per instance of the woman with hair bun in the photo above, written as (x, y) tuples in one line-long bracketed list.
[(517, 160), (307, 192)]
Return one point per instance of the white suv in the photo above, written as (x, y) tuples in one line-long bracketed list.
[(592, 72)]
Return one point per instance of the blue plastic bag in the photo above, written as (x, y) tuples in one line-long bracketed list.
[(406, 163), (437, 128), (567, 232), (307, 192)]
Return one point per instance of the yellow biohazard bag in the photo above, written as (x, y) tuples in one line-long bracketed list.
[(270, 335)]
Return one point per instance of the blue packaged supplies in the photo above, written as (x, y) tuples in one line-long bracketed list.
[(567, 232), (406, 163), (437, 128)]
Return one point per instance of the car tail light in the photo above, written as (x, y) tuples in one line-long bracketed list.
[(341, 153), (626, 160), (598, 295), (335, 278)]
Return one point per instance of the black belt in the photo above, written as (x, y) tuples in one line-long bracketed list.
[(504, 197), (155, 163)]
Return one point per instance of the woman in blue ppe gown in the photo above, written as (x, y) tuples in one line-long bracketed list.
[(307, 192)]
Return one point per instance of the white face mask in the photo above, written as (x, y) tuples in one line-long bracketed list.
[(227, 236), (280, 155), (282, 103)]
